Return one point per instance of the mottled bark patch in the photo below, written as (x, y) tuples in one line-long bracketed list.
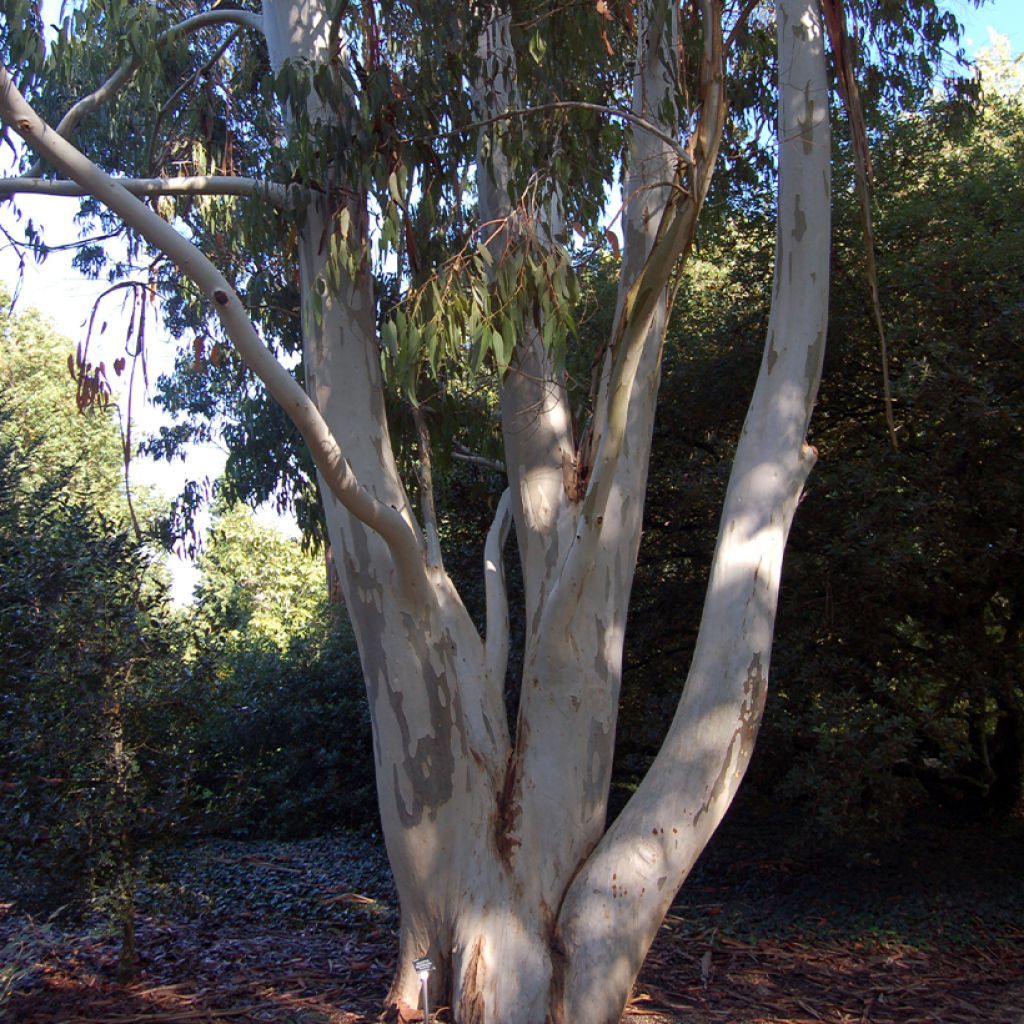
[(807, 122), (598, 770), (365, 597), (772, 356), (575, 473), (812, 369), (430, 766), (799, 221), (755, 691)]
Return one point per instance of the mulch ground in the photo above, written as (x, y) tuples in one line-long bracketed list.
[(303, 933), (239, 972)]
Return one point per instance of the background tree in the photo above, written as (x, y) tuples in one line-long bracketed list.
[(257, 584), (89, 645), (506, 876)]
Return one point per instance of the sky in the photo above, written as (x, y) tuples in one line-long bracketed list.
[(1004, 16), (66, 296)]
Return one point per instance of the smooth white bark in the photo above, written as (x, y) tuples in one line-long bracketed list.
[(497, 638), (613, 908), (435, 691), (536, 424), (284, 196), (572, 674)]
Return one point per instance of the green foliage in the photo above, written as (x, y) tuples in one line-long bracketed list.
[(921, 562), (94, 710), (285, 749), (285, 744), (258, 588), (48, 436), (386, 134), (85, 636), (122, 723)]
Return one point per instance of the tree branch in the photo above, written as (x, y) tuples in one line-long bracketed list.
[(654, 843), (542, 108), (463, 454), (120, 78), (535, 415), (632, 332), (284, 196), (403, 542), (426, 479), (496, 643)]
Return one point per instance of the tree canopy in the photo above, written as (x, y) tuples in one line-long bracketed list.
[(204, 100)]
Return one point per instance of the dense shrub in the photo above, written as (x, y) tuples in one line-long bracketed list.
[(286, 750)]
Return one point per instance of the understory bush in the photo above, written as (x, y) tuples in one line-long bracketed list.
[(286, 750)]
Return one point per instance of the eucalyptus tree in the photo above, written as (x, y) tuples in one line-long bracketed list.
[(413, 176)]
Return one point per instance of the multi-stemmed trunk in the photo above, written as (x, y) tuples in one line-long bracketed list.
[(496, 844), (530, 910)]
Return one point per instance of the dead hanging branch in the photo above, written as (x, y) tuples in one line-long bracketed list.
[(845, 58)]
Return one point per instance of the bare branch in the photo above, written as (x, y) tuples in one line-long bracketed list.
[(404, 543), (284, 196), (741, 22), (542, 108), (463, 454), (179, 92), (844, 56), (120, 78)]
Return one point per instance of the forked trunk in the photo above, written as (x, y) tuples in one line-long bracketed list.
[(507, 881)]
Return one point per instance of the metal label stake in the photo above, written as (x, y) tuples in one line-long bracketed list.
[(423, 966)]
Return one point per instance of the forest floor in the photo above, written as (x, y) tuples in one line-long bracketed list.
[(764, 932)]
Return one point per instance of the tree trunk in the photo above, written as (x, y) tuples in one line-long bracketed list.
[(503, 876)]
